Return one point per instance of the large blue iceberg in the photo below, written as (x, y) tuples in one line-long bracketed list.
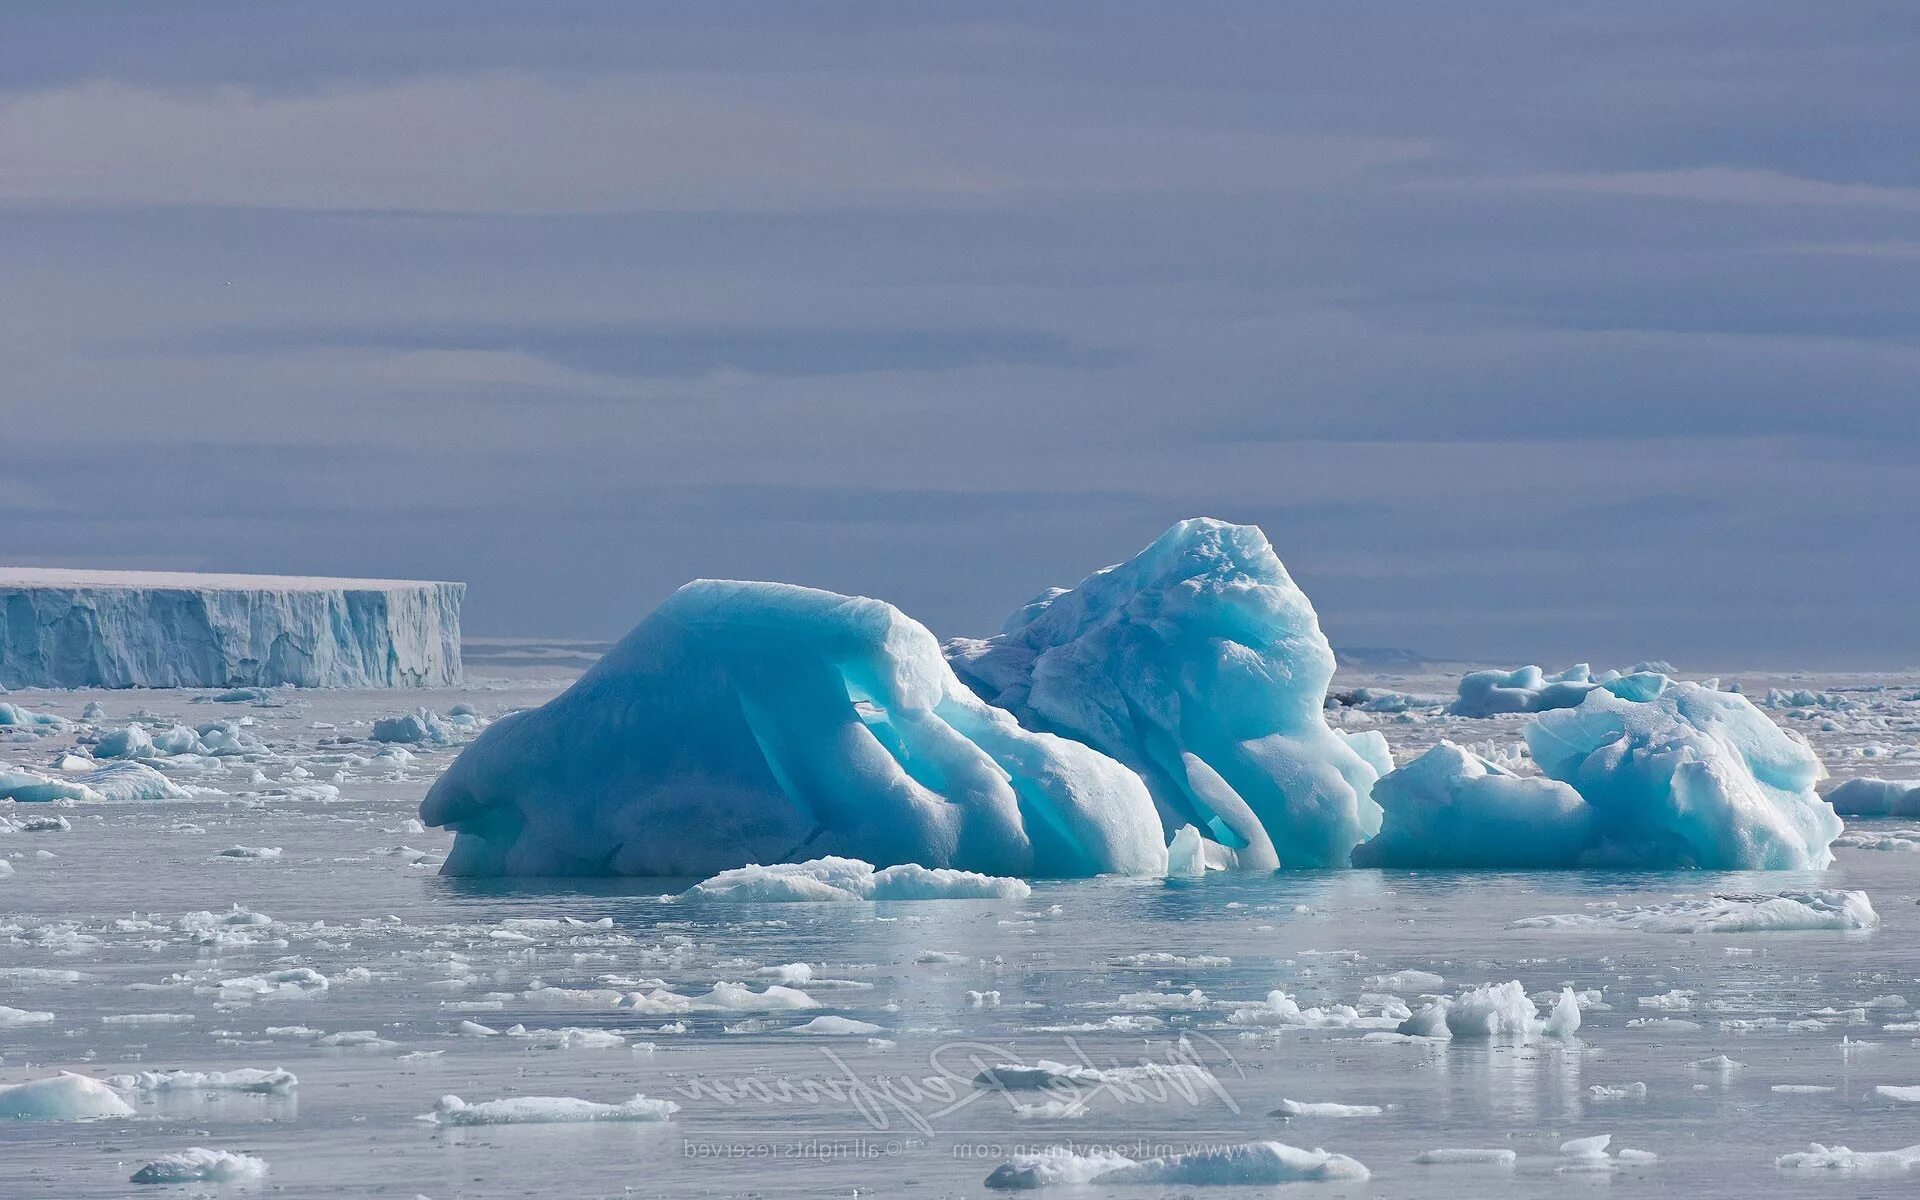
[(1645, 772), (763, 723), (1200, 665)]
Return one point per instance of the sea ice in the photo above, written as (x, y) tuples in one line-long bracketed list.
[(1495, 1011), (1852, 1162), (546, 1110), (760, 722), (1730, 913), (1251, 1164), (200, 1165), (1324, 1108), (1464, 1156), (1199, 664), (840, 879)]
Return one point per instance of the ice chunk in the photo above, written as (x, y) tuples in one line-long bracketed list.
[(836, 1026), (1495, 1011), (1199, 664), (63, 1097), (546, 1110), (1466, 1156), (11, 1018), (759, 722), (839, 879), (1688, 777), (274, 1082), (69, 629), (124, 782), (27, 787), (1905, 1095), (1868, 797), (1324, 1108), (15, 717), (1729, 913), (1186, 855), (200, 1165), (1852, 1162), (1452, 808), (1251, 1164), (1405, 981), (1521, 690)]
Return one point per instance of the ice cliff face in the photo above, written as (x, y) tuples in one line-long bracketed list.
[(763, 723), (1200, 665), (152, 629)]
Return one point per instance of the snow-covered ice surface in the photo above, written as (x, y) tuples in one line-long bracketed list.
[(308, 1009)]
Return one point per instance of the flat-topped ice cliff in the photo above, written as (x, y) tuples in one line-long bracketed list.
[(78, 628)]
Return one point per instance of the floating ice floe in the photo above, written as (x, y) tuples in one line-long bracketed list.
[(1817, 1157), (1867, 797), (831, 1026), (1251, 1164), (1522, 690), (14, 1017), (761, 722), (200, 1165), (841, 879), (1731, 913), (256, 1080), (1900, 840), (1496, 1011), (1905, 1095), (62, 1097), (1199, 664), (1466, 1156), (546, 1110), (1324, 1108)]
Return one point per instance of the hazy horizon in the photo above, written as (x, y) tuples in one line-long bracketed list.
[(1535, 332)]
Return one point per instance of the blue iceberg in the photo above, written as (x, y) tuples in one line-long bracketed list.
[(1200, 665), (1452, 808), (763, 723), (1523, 690), (1682, 775)]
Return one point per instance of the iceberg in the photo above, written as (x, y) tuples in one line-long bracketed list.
[(1452, 808), (1522, 690), (201, 1165), (62, 1097), (1876, 798), (72, 629), (1682, 775), (1644, 772), (746, 723), (1200, 665)]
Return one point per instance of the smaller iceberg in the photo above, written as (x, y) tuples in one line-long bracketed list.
[(1876, 798), (1682, 775), (1452, 808), (62, 1097), (200, 1165), (1521, 690)]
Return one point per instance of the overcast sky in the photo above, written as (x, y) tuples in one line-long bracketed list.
[(1527, 332)]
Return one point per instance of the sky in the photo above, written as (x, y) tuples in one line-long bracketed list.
[(1528, 332)]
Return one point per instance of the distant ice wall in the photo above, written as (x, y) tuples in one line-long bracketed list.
[(159, 629)]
